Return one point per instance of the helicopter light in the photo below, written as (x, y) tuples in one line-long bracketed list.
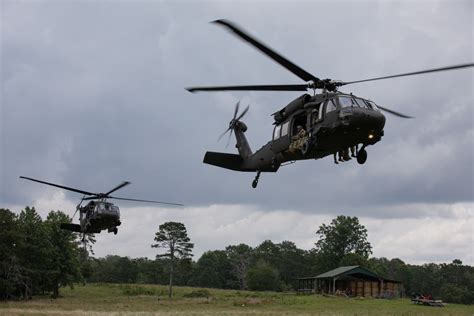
[(371, 136)]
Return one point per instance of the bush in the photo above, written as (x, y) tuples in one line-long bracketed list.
[(136, 290), (453, 294), (198, 293)]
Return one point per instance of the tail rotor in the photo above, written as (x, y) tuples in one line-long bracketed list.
[(235, 120)]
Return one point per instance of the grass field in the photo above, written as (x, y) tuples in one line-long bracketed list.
[(115, 299)]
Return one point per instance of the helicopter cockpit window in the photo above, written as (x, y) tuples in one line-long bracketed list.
[(116, 209), (284, 129), (276, 132), (345, 101), (362, 103), (330, 106), (373, 105)]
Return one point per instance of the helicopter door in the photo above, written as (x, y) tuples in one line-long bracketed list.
[(281, 137), (316, 115), (330, 113)]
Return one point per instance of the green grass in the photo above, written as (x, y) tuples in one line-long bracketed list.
[(123, 299)]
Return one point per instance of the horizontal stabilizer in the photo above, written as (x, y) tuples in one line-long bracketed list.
[(224, 160), (72, 227)]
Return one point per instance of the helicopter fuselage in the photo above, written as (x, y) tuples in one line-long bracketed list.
[(309, 127), (99, 215), (332, 122)]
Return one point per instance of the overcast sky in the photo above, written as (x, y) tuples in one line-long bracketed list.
[(92, 94)]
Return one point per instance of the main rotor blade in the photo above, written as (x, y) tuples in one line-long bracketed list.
[(236, 109), (393, 112), (147, 201), (59, 186), (300, 72), (413, 73), (273, 87), (117, 187)]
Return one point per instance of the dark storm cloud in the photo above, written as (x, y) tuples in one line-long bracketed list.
[(92, 94)]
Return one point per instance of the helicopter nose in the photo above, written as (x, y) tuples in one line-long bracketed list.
[(364, 118)]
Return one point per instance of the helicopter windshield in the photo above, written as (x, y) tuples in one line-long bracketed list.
[(373, 105), (116, 209), (362, 103), (107, 207), (345, 101)]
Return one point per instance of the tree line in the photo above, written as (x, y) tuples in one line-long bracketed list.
[(36, 257)]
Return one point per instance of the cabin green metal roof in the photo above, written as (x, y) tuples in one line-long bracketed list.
[(347, 270), (355, 271)]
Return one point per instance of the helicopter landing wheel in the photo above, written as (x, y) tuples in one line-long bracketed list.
[(362, 156), (115, 230), (255, 181)]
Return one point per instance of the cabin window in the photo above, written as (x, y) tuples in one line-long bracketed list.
[(331, 106), (276, 132), (345, 101), (284, 129)]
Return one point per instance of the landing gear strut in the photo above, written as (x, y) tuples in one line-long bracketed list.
[(361, 156), (255, 181), (115, 230)]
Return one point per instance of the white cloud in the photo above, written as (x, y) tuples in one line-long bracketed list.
[(90, 104), (444, 232)]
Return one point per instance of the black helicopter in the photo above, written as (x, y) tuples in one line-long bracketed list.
[(97, 214), (309, 127)]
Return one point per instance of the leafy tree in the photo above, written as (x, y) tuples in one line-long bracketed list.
[(290, 261), (114, 269), (174, 238), (378, 265), (183, 270), (294, 263), (149, 271), (85, 263), (10, 271), (64, 264), (263, 277), (267, 251), (343, 236), (353, 259), (35, 251), (213, 270), (240, 257)]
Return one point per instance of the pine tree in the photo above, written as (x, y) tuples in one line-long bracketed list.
[(173, 237)]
